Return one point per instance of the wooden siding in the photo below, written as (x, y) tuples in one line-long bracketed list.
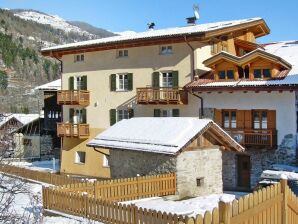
[(73, 97), (73, 130)]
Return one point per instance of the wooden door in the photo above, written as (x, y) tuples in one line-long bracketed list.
[(244, 171)]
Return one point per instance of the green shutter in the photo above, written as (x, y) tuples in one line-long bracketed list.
[(112, 116), (176, 112), (71, 113), (130, 81), (175, 79), (71, 83), (84, 82), (131, 113), (155, 79), (156, 112), (113, 82), (84, 116)]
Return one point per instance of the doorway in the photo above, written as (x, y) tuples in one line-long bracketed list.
[(244, 167)]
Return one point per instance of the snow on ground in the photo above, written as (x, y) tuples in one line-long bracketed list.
[(27, 203), (44, 166), (274, 174), (190, 207)]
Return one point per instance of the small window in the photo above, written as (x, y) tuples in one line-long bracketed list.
[(122, 53), (260, 119), (266, 73), (122, 82), (79, 58), (80, 157), (123, 114), (257, 74), (229, 119), (105, 161), (230, 74), (165, 50), (222, 75)]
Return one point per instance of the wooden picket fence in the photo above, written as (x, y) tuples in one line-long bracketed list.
[(272, 205), (50, 178), (127, 188)]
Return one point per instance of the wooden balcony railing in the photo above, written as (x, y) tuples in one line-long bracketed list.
[(73, 97), (266, 139), (73, 130), (161, 95)]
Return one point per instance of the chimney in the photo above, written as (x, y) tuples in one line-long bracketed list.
[(191, 20), (151, 26)]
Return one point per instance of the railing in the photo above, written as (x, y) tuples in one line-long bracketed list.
[(73, 130), (161, 95), (258, 138), (73, 97)]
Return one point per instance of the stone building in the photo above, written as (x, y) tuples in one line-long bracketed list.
[(190, 147)]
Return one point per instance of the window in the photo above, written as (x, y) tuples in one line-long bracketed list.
[(166, 113), (77, 116), (79, 58), (166, 50), (167, 79), (105, 161), (262, 73), (229, 119), (214, 49), (80, 157), (224, 75), (123, 114), (77, 82), (260, 119), (122, 53), (122, 82)]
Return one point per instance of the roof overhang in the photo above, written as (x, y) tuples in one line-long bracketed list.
[(258, 27), (245, 59)]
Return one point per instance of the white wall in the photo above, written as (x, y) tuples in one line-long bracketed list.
[(283, 103)]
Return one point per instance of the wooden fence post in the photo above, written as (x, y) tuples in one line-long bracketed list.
[(284, 207), (134, 214), (225, 212)]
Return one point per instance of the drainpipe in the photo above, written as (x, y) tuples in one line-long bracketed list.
[(193, 76)]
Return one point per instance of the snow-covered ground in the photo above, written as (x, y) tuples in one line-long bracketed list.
[(190, 207), (44, 166), (27, 203)]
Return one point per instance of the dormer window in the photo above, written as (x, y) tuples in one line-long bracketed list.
[(122, 53), (166, 50), (226, 75), (79, 58), (262, 73)]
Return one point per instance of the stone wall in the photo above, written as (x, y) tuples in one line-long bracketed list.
[(229, 174), (126, 163), (201, 163)]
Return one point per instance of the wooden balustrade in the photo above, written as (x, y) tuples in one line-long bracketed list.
[(73, 130), (255, 138), (161, 95), (73, 97)]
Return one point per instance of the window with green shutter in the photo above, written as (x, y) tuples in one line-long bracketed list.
[(71, 83), (113, 82), (175, 79), (84, 116), (176, 113), (71, 114), (157, 112), (112, 116), (84, 82), (130, 81), (155, 79)]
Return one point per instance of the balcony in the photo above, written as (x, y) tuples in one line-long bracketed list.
[(73, 97), (73, 130), (161, 95), (256, 139)]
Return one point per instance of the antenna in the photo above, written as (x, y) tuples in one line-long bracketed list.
[(196, 11)]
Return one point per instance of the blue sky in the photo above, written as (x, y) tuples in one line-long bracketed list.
[(121, 15)]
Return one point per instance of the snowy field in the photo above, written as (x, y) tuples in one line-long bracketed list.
[(27, 204), (44, 166)]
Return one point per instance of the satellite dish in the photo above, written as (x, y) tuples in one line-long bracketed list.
[(196, 11)]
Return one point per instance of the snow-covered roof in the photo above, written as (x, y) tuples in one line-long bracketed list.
[(273, 174), (158, 135), (54, 85), (287, 50), (24, 119), (169, 32)]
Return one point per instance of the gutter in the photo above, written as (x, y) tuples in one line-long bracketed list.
[(61, 65), (192, 65)]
